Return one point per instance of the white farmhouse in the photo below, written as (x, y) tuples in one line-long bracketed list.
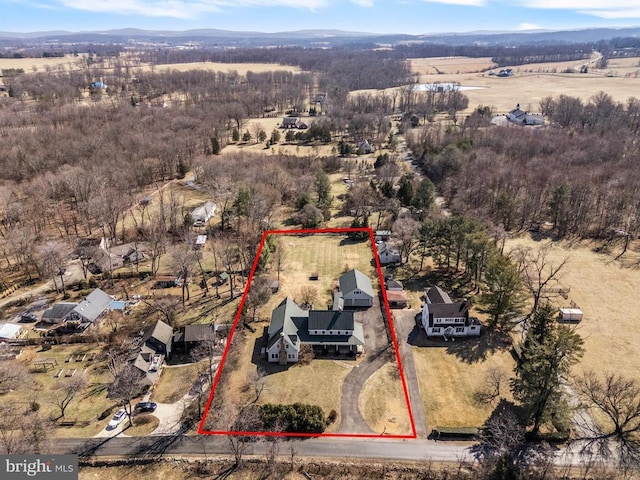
[(442, 317)]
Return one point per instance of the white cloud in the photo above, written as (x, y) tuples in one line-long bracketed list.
[(468, 3), (185, 8), (363, 3), (528, 26), (598, 8)]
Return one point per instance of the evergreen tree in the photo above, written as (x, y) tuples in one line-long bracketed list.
[(323, 188), (548, 352), (405, 192), (503, 299)]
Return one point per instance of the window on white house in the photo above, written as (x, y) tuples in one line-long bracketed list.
[(436, 330), (459, 329)]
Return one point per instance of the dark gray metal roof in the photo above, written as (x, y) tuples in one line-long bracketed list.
[(160, 331), (58, 311), (330, 320), (355, 280), (448, 310), (198, 333), (437, 295)]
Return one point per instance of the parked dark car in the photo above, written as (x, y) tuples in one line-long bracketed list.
[(146, 407), (28, 317)]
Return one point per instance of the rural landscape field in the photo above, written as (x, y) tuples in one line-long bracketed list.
[(159, 303)]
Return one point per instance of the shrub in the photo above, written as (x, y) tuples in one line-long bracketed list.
[(298, 418), (105, 413), (333, 416)]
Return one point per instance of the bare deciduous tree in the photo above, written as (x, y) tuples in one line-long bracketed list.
[(541, 275), (64, 392), (12, 375), (308, 295), (618, 399), (126, 387)]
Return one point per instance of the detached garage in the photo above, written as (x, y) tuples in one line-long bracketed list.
[(356, 289)]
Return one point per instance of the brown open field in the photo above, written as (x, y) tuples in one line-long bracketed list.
[(241, 68), (448, 381), (427, 66), (382, 402), (29, 65), (282, 148), (532, 82), (606, 291)]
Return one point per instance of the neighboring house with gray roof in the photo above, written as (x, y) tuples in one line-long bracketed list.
[(387, 255), (442, 317), (157, 343), (202, 214), (356, 289), (90, 309), (58, 312), (291, 327)]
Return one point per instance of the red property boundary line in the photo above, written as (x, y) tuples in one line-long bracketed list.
[(413, 434)]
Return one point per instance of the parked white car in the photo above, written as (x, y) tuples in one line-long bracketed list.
[(117, 419)]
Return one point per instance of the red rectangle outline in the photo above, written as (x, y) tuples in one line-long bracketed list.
[(265, 234)]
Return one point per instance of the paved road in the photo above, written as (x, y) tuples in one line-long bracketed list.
[(206, 445), (404, 323)]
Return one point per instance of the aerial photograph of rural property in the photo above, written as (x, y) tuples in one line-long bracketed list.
[(315, 240)]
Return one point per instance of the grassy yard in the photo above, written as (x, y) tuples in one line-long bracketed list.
[(41, 386), (318, 383), (605, 290), (142, 425), (448, 379), (382, 402), (328, 255), (174, 383)]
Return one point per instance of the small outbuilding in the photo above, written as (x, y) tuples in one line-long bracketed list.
[(9, 331), (570, 315)]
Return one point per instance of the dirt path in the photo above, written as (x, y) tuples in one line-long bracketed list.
[(72, 275)]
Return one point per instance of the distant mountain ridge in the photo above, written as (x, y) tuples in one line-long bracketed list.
[(212, 36)]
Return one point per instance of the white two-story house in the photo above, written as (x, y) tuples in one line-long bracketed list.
[(442, 317)]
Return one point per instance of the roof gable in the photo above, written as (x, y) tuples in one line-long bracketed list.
[(159, 331), (437, 295), (283, 320), (93, 306), (355, 280)]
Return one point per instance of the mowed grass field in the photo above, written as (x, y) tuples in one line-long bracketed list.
[(329, 255), (448, 381), (606, 291)]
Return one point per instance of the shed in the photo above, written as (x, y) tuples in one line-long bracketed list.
[(275, 286), (397, 299), (570, 315), (200, 241)]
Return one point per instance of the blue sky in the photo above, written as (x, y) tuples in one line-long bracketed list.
[(377, 16)]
